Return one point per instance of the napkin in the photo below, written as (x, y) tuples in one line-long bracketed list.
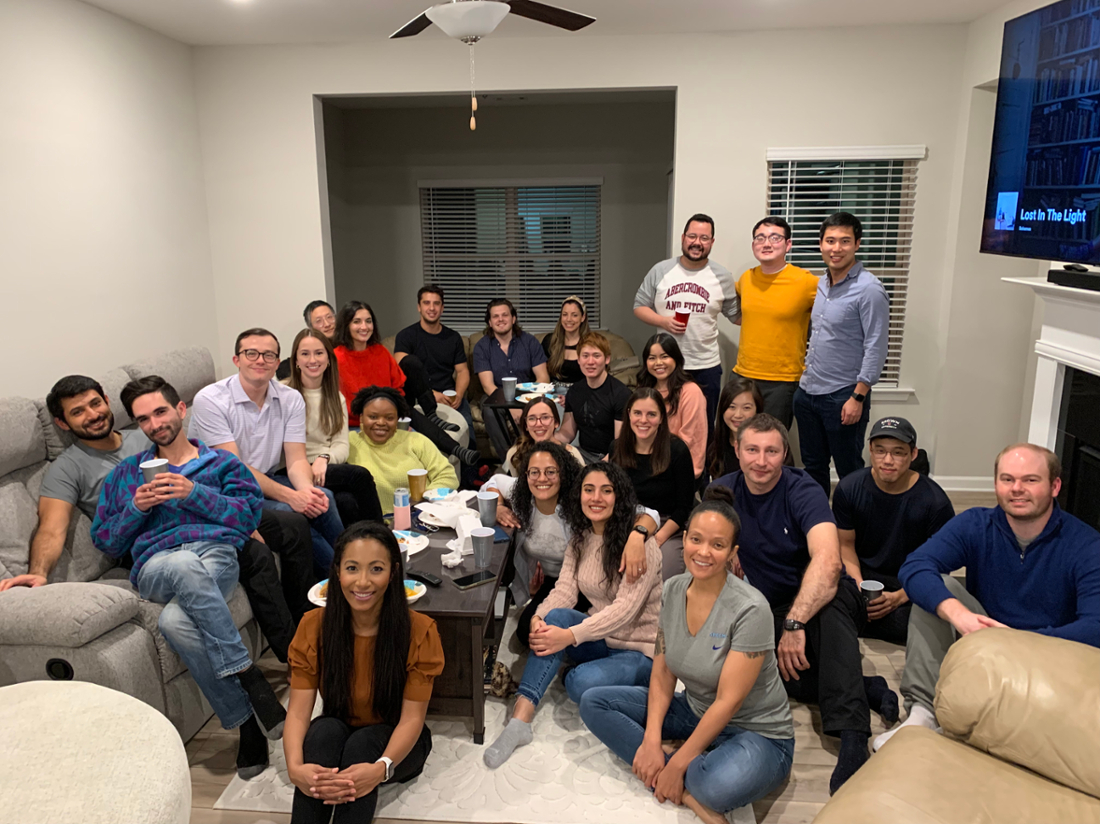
[(464, 543)]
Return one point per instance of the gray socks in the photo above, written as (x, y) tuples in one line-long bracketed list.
[(516, 733)]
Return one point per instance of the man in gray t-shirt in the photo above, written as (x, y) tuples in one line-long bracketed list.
[(740, 621), (77, 475)]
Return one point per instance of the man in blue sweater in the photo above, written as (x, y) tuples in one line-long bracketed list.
[(183, 529), (1029, 566)]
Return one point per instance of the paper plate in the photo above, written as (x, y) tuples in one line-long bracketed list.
[(314, 594), (411, 541), (430, 519), (437, 495), (417, 588), (537, 388), (528, 397)]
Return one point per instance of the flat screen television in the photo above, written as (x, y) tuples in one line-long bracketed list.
[(1043, 198)]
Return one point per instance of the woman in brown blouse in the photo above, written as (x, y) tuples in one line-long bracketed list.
[(374, 661)]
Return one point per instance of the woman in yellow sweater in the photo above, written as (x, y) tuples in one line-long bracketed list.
[(388, 452)]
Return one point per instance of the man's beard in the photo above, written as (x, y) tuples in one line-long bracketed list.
[(109, 430), (166, 434)]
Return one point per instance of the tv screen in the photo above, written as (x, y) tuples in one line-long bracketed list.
[(1044, 173)]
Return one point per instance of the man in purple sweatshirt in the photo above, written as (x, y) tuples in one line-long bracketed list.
[(1029, 566), (183, 531)]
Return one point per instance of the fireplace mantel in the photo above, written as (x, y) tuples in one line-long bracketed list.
[(1070, 337)]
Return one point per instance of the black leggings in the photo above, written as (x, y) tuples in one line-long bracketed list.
[(523, 625), (355, 493), (330, 742)]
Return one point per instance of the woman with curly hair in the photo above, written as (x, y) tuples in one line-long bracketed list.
[(685, 405), (374, 661), (611, 643), (388, 452), (560, 345), (538, 421)]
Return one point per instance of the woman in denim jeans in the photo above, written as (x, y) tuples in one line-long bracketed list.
[(613, 642), (715, 635)]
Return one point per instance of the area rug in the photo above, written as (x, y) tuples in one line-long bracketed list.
[(565, 776)]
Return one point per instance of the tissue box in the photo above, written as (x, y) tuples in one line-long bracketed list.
[(466, 524)]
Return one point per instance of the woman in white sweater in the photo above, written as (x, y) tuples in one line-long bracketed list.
[(314, 373)]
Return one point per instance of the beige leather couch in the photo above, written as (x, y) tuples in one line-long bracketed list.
[(1021, 744), (624, 366)]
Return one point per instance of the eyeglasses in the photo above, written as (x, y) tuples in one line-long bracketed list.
[(541, 420), (700, 238), (256, 354), (535, 474), (769, 239)]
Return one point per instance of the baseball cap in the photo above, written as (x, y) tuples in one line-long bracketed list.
[(897, 428)]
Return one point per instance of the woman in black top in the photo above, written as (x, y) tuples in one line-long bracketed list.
[(560, 345), (660, 468), (739, 401)]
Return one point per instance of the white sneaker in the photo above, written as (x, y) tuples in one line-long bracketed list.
[(918, 717)]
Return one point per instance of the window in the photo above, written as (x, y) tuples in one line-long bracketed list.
[(876, 184), (533, 244)]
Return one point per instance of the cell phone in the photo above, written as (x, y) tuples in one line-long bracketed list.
[(475, 579)]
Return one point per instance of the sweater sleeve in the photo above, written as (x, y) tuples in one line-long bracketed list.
[(441, 475), (682, 480), (693, 425), (630, 601), (118, 522), (565, 591), (397, 377), (338, 444), (238, 504), (921, 574), (1086, 628)]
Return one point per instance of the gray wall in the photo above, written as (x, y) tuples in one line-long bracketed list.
[(377, 156)]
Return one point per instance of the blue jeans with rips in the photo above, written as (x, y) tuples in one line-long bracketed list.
[(597, 664), (193, 582)]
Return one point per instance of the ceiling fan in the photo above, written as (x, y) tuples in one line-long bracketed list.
[(470, 20)]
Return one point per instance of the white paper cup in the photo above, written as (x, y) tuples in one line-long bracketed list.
[(482, 538), (871, 590), (150, 469)]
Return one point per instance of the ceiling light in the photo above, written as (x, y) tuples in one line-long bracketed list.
[(468, 20)]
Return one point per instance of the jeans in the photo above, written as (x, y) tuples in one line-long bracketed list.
[(597, 665), (193, 581), (325, 528), (710, 381), (736, 769), (523, 625), (468, 414), (330, 742), (822, 436)]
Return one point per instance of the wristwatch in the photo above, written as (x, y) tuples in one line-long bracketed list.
[(859, 396), (644, 532), (324, 455), (791, 625), (389, 767)]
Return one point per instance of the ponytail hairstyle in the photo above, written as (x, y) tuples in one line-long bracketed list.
[(626, 445), (332, 414), (336, 653), (676, 380), (719, 500)]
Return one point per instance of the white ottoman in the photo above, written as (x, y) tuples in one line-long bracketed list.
[(73, 751)]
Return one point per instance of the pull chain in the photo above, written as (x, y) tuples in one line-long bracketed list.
[(473, 94)]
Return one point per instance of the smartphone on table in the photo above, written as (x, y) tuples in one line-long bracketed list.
[(475, 579)]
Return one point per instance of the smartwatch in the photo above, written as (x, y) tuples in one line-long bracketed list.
[(641, 529), (859, 396), (791, 625), (389, 767)]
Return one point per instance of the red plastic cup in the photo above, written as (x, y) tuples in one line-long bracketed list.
[(682, 317)]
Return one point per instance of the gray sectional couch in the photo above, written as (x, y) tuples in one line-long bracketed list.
[(88, 623)]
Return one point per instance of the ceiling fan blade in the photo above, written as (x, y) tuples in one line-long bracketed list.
[(562, 18), (414, 26)]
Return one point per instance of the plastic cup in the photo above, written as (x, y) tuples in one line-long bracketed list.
[(150, 469), (509, 385), (871, 590), (404, 423), (682, 317), (482, 538), (487, 507), (418, 484), (450, 394)]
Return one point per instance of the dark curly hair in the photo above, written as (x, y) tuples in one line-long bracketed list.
[(370, 393), (618, 527), (568, 471)]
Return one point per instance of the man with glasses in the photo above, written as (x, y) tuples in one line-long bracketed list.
[(683, 296), (263, 422), (851, 324), (776, 299)]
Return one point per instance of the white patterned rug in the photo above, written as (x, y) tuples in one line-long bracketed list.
[(565, 774)]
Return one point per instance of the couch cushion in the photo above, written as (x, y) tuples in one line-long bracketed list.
[(80, 560), (18, 518), (188, 370), (920, 777), (67, 615), (1026, 698), (22, 442), (58, 440)]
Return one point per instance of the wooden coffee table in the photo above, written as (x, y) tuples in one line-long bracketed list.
[(466, 626)]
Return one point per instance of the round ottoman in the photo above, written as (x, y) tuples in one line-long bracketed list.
[(73, 751)]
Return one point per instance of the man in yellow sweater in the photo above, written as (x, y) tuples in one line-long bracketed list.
[(776, 300)]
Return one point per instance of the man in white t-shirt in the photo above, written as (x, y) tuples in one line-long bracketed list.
[(692, 285)]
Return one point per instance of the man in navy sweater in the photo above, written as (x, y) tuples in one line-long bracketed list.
[(1029, 566)]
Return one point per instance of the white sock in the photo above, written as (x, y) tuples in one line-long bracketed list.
[(919, 716)]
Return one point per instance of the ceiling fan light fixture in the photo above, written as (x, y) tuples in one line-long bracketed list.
[(468, 20)]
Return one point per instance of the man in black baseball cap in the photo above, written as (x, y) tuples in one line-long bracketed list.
[(884, 512)]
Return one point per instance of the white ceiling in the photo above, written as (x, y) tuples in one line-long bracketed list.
[(240, 22)]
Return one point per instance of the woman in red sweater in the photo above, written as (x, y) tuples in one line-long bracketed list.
[(364, 361)]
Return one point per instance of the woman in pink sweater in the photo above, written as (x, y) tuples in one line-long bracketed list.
[(663, 369), (611, 644)]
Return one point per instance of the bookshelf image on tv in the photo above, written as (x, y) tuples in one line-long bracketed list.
[(1043, 198)]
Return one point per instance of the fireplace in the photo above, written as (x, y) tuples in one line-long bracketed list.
[(1065, 406)]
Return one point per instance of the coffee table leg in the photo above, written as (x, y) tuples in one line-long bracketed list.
[(477, 685)]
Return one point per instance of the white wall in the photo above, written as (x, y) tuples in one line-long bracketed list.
[(104, 242), (377, 156)]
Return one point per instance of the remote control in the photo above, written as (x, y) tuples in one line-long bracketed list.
[(423, 577)]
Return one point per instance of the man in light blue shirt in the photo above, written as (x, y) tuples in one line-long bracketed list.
[(850, 327)]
